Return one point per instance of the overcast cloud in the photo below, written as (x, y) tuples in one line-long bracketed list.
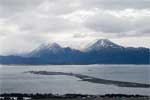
[(25, 24)]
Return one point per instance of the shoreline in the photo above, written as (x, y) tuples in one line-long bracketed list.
[(38, 96), (94, 79)]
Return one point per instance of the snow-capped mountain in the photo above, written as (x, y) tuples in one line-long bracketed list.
[(102, 44), (46, 49), (51, 46), (102, 51)]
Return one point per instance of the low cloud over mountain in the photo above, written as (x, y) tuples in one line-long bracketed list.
[(101, 52)]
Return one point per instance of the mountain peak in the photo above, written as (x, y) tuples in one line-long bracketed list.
[(46, 48), (101, 44), (54, 45), (49, 46)]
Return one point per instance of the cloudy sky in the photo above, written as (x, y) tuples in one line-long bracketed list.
[(25, 24)]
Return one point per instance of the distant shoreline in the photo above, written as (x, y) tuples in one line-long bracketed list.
[(65, 64), (94, 79)]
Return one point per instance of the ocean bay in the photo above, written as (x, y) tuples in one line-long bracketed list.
[(14, 80)]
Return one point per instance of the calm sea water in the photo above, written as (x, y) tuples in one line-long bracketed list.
[(14, 80)]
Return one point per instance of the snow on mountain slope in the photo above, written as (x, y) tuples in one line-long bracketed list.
[(46, 49), (102, 44)]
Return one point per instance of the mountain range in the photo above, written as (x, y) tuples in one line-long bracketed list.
[(102, 51)]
